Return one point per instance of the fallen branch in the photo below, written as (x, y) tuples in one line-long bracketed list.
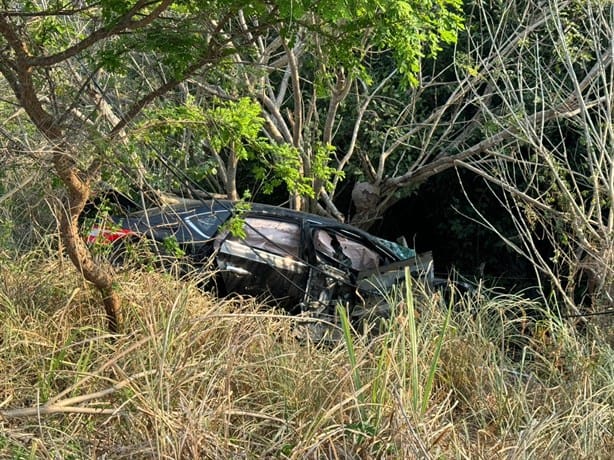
[(68, 405)]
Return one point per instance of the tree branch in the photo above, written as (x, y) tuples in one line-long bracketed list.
[(443, 163), (68, 405), (124, 23)]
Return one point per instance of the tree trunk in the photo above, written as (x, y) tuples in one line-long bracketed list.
[(77, 185), (78, 193), (366, 198), (231, 176)]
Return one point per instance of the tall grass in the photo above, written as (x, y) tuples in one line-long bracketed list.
[(197, 377)]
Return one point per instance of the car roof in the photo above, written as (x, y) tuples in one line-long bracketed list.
[(278, 211), (196, 207), (220, 207)]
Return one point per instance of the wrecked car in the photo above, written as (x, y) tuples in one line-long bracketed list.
[(305, 263)]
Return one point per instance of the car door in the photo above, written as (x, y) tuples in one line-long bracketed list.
[(337, 257), (265, 262)]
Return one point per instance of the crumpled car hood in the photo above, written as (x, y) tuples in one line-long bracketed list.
[(384, 277)]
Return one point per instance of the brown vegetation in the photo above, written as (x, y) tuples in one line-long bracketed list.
[(194, 377)]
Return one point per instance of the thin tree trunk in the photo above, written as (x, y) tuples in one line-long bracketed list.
[(78, 194), (231, 176)]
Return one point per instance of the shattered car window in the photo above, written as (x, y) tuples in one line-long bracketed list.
[(401, 252), (275, 236), (208, 223), (346, 251)]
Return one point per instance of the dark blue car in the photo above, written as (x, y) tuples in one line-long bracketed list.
[(305, 263)]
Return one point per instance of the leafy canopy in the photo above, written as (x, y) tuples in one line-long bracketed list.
[(182, 33), (231, 128)]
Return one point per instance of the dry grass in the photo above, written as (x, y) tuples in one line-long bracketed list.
[(195, 377)]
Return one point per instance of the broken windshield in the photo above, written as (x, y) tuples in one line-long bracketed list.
[(402, 252)]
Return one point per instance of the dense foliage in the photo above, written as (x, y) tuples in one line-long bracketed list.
[(58, 61)]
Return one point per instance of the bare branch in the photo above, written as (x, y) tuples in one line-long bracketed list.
[(68, 405)]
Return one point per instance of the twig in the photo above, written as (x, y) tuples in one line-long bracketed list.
[(45, 410), (109, 363)]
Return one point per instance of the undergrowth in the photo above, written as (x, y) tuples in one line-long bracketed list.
[(192, 376)]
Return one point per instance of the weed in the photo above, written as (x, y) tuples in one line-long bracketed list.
[(198, 377)]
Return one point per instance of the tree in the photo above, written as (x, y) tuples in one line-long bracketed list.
[(455, 115), (27, 63), (302, 79), (552, 165), (58, 57), (44, 50)]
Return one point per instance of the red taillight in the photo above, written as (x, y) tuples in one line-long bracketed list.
[(104, 235)]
